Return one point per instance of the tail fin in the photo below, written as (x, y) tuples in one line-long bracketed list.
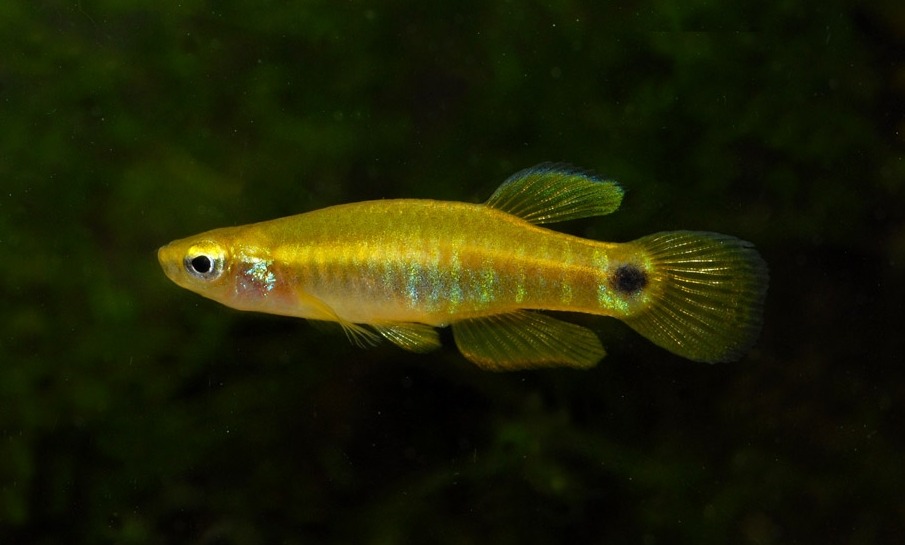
[(706, 293)]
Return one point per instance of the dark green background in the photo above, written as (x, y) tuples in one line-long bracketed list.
[(132, 411)]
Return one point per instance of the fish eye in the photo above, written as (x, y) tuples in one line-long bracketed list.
[(204, 263)]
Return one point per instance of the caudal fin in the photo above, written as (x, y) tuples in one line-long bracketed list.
[(706, 293)]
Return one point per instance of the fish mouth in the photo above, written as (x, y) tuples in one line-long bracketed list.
[(169, 261)]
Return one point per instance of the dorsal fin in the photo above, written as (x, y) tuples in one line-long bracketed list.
[(549, 193)]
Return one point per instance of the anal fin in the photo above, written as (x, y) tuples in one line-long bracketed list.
[(522, 339)]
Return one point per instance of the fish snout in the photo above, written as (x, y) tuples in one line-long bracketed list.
[(169, 261)]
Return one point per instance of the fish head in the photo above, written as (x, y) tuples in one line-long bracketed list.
[(202, 264), (234, 266)]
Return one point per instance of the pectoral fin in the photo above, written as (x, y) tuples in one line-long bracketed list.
[(358, 334), (522, 339)]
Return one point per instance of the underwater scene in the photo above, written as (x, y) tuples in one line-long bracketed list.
[(452, 272)]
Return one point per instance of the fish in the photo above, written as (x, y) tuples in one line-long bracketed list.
[(398, 269)]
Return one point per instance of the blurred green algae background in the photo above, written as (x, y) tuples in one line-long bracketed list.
[(132, 411)]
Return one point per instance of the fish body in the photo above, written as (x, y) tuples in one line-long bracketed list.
[(399, 268)]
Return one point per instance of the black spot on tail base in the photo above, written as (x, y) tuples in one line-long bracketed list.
[(629, 279)]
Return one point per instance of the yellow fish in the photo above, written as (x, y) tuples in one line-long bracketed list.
[(398, 269)]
